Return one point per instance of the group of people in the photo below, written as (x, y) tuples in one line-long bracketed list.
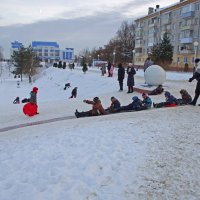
[(110, 69), (130, 77), (137, 104)]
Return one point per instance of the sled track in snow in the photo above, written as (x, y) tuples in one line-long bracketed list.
[(36, 123)]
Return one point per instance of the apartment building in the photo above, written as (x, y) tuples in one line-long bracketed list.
[(182, 23)]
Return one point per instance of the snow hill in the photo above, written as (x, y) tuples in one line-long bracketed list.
[(150, 154)]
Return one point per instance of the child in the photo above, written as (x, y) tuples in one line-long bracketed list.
[(185, 98), (170, 101), (97, 109), (115, 105), (156, 91), (16, 101), (74, 93), (146, 102)]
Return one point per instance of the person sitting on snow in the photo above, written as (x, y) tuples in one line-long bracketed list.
[(16, 101), (97, 109), (136, 105), (146, 102), (156, 91), (185, 98), (170, 101), (115, 105)]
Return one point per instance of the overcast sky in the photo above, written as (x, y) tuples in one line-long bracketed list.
[(76, 23)]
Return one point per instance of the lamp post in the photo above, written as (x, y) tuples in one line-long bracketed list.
[(196, 44), (114, 57), (98, 57), (133, 56)]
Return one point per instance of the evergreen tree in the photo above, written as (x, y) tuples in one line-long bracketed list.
[(26, 61), (162, 53)]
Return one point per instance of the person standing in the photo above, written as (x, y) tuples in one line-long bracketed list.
[(33, 98), (130, 79), (147, 63), (121, 73), (108, 68), (196, 76)]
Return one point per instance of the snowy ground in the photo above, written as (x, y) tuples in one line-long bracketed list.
[(151, 154)]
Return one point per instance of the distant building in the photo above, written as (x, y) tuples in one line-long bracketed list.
[(182, 23), (47, 51), (15, 46), (50, 52)]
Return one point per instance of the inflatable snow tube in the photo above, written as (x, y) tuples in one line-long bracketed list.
[(30, 109), (171, 105)]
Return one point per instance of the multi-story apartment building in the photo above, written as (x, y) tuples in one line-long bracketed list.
[(47, 51), (182, 23)]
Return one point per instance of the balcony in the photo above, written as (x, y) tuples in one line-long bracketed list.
[(138, 54), (187, 14), (152, 25), (187, 27), (186, 40), (138, 45)]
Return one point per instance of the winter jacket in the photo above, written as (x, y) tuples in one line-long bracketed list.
[(147, 102), (186, 97), (121, 73), (196, 76), (156, 91), (170, 98), (33, 98), (130, 79), (115, 106), (97, 108), (147, 64)]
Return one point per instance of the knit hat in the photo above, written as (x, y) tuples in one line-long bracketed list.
[(96, 99), (35, 89), (135, 98), (196, 60), (167, 94)]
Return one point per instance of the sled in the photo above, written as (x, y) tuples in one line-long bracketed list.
[(30, 109)]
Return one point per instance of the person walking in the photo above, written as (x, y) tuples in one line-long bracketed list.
[(108, 68), (74, 93), (130, 79), (121, 73)]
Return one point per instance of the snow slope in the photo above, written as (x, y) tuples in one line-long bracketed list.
[(140, 155)]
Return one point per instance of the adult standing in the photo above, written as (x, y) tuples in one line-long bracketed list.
[(147, 63), (108, 68), (130, 79), (121, 73), (196, 76)]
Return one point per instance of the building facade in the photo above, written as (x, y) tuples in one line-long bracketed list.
[(50, 52), (182, 23), (47, 51)]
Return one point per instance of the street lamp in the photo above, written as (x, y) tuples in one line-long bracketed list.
[(114, 57), (195, 49), (133, 56), (98, 56)]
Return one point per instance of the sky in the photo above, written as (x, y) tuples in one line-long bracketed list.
[(150, 154), (79, 24)]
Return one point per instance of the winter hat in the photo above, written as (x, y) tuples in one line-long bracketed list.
[(96, 99), (35, 89), (135, 98), (167, 94), (182, 91)]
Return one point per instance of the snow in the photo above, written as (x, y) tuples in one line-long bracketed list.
[(153, 154)]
